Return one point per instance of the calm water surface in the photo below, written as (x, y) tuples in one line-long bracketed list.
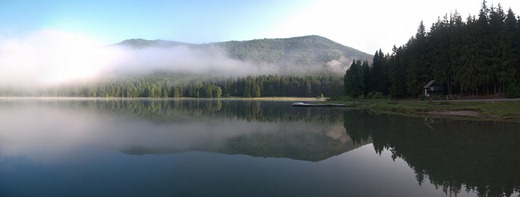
[(81, 147)]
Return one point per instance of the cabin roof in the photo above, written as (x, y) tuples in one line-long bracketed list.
[(429, 84)]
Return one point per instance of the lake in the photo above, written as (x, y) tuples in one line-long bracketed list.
[(188, 147)]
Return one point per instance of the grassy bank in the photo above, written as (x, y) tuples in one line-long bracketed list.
[(508, 110)]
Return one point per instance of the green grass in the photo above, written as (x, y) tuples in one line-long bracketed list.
[(495, 110), (504, 109)]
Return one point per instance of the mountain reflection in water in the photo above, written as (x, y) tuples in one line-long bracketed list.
[(260, 129), (459, 157)]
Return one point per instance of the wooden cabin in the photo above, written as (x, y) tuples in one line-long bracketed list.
[(432, 88)]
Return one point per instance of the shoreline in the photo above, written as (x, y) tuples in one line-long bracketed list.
[(491, 110)]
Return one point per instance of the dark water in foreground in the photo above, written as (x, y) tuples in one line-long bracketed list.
[(246, 148)]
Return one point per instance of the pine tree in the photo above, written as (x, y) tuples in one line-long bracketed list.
[(379, 73), (354, 80)]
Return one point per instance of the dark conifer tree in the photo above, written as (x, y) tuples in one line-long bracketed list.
[(379, 73), (367, 78), (354, 80), (396, 73)]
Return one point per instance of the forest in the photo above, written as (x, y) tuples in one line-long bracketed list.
[(478, 56), (177, 85)]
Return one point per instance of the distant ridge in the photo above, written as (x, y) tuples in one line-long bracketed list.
[(298, 55)]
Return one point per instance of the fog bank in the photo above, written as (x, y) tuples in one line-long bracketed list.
[(48, 57)]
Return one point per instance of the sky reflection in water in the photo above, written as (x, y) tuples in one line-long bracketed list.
[(201, 148)]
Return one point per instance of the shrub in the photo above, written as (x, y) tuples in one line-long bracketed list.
[(375, 95), (378, 95), (370, 95)]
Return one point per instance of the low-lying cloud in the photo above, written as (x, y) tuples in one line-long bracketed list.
[(48, 57), (184, 59)]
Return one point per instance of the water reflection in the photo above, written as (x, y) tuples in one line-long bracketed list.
[(46, 129), (146, 145), (454, 155)]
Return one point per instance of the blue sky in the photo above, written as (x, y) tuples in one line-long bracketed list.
[(366, 25), (189, 21)]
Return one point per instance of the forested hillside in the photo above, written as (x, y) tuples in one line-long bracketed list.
[(295, 56), (476, 56), (306, 52)]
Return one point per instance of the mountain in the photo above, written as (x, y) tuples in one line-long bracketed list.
[(297, 55)]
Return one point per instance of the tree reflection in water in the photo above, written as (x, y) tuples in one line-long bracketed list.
[(454, 155), (255, 128), (481, 156)]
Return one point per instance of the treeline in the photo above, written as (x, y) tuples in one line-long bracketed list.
[(475, 57), (167, 86)]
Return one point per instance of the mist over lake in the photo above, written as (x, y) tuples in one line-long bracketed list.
[(191, 147)]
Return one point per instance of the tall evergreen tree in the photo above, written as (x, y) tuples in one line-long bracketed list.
[(379, 73), (396, 73), (354, 80), (367, 78), (418, 70)]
